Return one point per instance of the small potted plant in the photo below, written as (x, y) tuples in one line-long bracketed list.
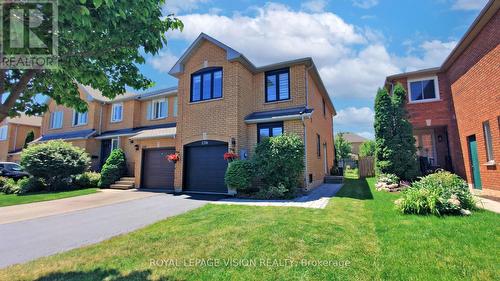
[(230, 156), (174, 157)]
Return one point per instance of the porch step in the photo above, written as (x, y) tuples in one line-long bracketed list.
[(124, 183), (333, 179)]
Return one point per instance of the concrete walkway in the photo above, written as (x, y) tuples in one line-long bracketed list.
[(54, 207), (488, 204), (28, 239), (317, 199)]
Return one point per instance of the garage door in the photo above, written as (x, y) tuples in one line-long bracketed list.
[(205, 167), (157, 171)]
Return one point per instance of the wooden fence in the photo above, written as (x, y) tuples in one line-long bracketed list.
[(366, 166)]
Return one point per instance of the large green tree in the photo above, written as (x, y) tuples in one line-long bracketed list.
[(100, 44), (367, 148), (383, 125), (404, 161), (342, 147)]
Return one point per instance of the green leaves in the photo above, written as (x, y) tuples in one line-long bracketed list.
[(97, 3)]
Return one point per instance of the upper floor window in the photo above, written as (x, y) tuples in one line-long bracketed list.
[(266, 130), (117, 112), (278, 85), (56, 120), (3, 132), (324, 107), (176, 106), (488, 141), (158, 109), (79, 118), (423, 90), (206, 84), (318, 145)]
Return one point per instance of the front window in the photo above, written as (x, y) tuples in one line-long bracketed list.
[(3, 132), (79, 118), (114, 143), (266, 130), (318, 145), (206, 84), (176, 106), (277, 85), (423, 90), (56, 120), (117, 112), (158, 109), (488, 141)]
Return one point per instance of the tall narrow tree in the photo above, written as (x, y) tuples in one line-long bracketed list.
[(404, 161), (383, 126)]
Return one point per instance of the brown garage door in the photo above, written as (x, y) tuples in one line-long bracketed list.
[(157, 171)]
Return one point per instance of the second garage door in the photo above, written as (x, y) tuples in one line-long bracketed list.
[(157, 171), (205, 167)]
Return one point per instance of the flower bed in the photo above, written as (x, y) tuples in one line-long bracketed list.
[(390, 183)]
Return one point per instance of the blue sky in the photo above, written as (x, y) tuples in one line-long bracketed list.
[(354, 43)]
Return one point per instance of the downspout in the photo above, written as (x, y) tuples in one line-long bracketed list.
[(306, 173)]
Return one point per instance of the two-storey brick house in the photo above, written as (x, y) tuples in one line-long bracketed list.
[(13, 133), (222, 103), (455, 108), (226, 103)]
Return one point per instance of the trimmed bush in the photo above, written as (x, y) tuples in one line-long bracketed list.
[(239, 175), (273, 192), (439, 194), (30, 184), (55, 162), (114, 168), (87, 179), (9, 186), (280, 161)]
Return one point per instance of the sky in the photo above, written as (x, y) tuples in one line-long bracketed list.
[(354, 43)]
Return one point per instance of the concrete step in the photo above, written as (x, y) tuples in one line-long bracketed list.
[(333, 179), (121, 186), (127, 179), (127, 182)]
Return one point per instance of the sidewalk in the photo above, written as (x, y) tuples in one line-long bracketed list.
[(22, 212), (317, 199), (488, 204)]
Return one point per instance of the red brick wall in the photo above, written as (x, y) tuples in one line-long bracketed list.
[(475, 85), (440, 113)]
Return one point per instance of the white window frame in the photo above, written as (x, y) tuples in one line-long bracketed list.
[(436, 89), (488, 139), (154, 109), (4, 131), (113, 141), (113, 107), (75, 113), (52, 125), (176, 106)]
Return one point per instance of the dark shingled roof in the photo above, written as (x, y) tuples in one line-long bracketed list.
[(131, 131), (83, 134), (278, 113)]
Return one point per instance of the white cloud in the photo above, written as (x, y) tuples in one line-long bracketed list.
[(163, 62), (177, 6), (314, 6), (468, 4), (365, 4), (354, 116), (433, 54)]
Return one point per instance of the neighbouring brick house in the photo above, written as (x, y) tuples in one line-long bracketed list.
[(222, 103), (13, 132), (455, 108)]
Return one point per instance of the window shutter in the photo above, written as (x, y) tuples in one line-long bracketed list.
[(150, 111), (165, 107)]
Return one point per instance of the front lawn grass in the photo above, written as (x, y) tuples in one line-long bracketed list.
[(16, 199), (360, 226)]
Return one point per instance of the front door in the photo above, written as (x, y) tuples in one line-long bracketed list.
[(474, 162), (105, 150)]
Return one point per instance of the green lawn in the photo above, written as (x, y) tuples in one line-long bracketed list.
[(15, 199), (359, 226)]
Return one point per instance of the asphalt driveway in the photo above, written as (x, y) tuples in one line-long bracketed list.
[(25, 240)]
